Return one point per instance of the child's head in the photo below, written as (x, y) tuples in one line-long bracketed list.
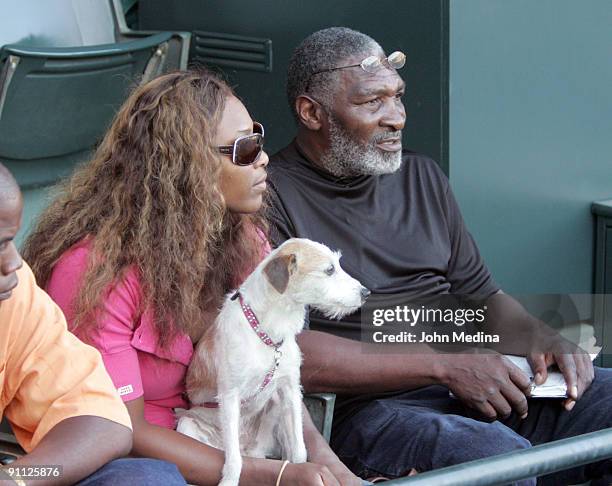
[(11, 206)]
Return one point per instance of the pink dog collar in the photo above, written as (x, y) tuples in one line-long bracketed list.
[(254, 323), (267, 340)]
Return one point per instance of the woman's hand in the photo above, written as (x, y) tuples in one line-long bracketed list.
[(319, 453), (309, 474), (324, 456), (343, 474)]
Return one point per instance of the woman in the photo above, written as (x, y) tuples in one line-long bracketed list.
[(143, 243)]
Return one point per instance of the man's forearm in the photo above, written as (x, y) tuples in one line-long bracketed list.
[(339, 365), (519, 331), (80, 445)]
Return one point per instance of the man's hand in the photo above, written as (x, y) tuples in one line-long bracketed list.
[(487, 382), (573, 362)]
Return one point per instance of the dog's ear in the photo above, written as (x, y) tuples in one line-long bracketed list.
[(279, 269)]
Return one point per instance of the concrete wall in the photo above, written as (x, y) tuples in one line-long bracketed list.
[(531, 134)]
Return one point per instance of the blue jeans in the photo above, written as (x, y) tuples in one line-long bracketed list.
[(139, 472), (426, 429), (135, 472)]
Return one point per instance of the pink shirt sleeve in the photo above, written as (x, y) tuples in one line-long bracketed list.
[(119, 317)]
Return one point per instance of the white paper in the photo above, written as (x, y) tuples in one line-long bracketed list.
[(553, 387)]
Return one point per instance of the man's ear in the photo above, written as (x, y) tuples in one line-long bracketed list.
[(309, 111), (279, 269)]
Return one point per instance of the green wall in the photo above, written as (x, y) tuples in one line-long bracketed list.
[(35, 200), (531, 134)]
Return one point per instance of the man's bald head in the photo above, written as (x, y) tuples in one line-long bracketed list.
[(11, 207), (9, 189)]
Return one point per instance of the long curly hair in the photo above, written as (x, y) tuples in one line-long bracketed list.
[(150, 200)]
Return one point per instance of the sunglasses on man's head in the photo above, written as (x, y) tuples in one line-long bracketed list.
[(246, 149)]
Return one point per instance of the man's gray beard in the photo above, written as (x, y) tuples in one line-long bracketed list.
[(346, 157)]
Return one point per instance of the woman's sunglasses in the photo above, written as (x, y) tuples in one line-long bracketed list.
[(246, 149)]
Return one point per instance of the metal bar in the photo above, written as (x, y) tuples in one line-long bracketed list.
[(234, 64), (527, 463), (5, 79), (149, 42), (228, 44), (227, 54)]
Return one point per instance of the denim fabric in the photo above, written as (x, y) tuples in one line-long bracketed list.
[(135, 472), (426, 429)]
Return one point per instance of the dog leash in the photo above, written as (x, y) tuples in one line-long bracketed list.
[(265, 338)]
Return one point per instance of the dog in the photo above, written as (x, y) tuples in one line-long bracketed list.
[(244, 379)]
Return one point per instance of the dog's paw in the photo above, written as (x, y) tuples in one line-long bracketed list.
[(230, 474), (228, 482)]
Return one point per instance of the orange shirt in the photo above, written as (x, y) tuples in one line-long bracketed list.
[(47, 374)]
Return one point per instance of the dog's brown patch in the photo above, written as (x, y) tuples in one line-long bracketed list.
[(279, 269), (310, 257), (202, 372)]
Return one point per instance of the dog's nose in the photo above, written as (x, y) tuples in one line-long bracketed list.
[(364, 294)]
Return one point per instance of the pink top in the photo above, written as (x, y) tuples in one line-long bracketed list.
[(127, 340)]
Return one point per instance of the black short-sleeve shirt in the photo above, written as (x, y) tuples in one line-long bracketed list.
[(398, 233)]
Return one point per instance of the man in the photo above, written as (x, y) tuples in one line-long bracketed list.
[(55, 392), (345, 181)]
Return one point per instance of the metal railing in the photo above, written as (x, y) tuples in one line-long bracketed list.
[(513, 466)]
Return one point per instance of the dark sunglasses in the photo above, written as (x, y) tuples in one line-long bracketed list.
[(246, 149)]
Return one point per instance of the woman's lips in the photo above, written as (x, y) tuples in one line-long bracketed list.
[(261, 184)]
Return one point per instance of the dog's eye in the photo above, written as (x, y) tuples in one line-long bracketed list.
[(330, 270)]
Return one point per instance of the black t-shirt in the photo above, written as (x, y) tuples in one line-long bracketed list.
[(398, 233)]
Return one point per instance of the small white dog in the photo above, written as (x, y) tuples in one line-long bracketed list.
[(244, 380)]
